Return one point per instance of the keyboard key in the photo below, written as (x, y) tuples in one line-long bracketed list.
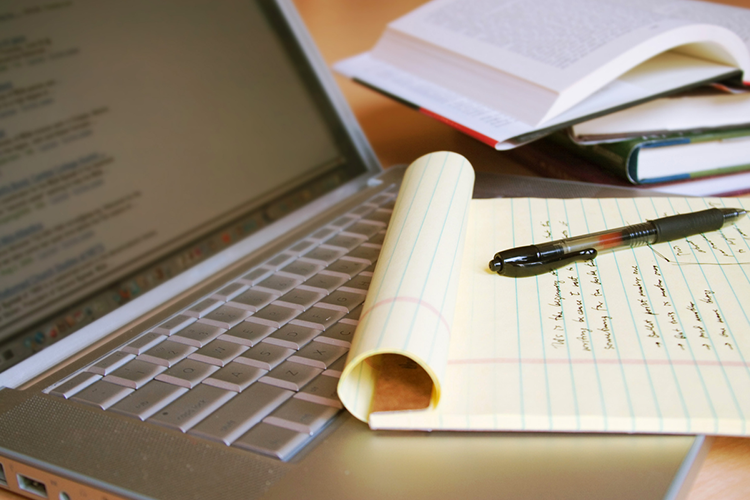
[(148, 400), (192, 407), (301, 416), (324, 254), (318, 317), (144, 343), (302, 247), (323, 234), (256, 275), (187, 373), (345, 240), (343, 221), (134, 374), (390, 203), (340, 334), (292, 336), (277, 284), (359, 283), (203, 307), (274, 315), (367, 252), (292, 376), (235, 377), (335, 369), (362, 210), (75, 384), (273, 441), (322, 391), (301, 269), (219, 352), (225, 316), (265, 356), (325, 282), (366, 229), (378, 239), (280, 260), (230, 291), (241, 413), (248, 333), (167, 353), (253, 299), (347, 267), (380, 215), (111, 362), (102, 394), (343, 301), (198, 334), (300, 298), (353, 317), (318, 355), (174, 325), (380, 199)]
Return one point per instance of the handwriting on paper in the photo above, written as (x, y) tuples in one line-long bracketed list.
[(651, 295)]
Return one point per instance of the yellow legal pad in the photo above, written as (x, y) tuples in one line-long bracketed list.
[(650, 339)]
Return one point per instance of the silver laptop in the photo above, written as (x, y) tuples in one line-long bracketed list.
[(189, 218)]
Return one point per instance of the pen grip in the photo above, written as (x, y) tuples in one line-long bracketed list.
[(680, 226)]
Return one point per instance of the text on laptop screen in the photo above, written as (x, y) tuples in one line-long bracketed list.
[(131, 129)]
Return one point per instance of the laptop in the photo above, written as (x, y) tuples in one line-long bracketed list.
[(189, 217)]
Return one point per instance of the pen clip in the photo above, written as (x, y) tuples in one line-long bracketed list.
[(522, 269)]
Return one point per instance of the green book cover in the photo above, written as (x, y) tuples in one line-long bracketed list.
[(685, 155)]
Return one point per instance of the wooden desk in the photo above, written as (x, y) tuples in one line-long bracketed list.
[(399, 135)]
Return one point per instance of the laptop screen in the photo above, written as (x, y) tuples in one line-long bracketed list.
[(136, 139)]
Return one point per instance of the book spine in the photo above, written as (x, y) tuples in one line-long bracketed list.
[(549, 159), (614, 158)]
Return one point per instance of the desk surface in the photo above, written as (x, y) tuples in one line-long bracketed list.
[(399, 135)]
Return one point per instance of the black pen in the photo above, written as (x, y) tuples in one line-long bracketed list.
[(537, 259)]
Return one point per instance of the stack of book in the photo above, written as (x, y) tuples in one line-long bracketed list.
[(692, 143), (644, 93)]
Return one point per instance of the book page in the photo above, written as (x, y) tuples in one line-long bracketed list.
[(549, 55), (681, 112), (539, 41), (482, 122), (734, 18), (646, 339)]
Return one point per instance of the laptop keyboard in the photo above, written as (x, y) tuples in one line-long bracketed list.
[(256, 363)]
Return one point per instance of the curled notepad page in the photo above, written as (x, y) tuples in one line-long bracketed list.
[(401, 345), (651, 339)]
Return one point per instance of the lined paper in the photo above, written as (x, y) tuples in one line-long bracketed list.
[(652, 339), (412, 297)]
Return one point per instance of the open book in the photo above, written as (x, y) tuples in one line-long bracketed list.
[(507, 72), (650, 339)]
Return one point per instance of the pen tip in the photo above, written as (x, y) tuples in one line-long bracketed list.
[(496, 265), (732, 214)]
